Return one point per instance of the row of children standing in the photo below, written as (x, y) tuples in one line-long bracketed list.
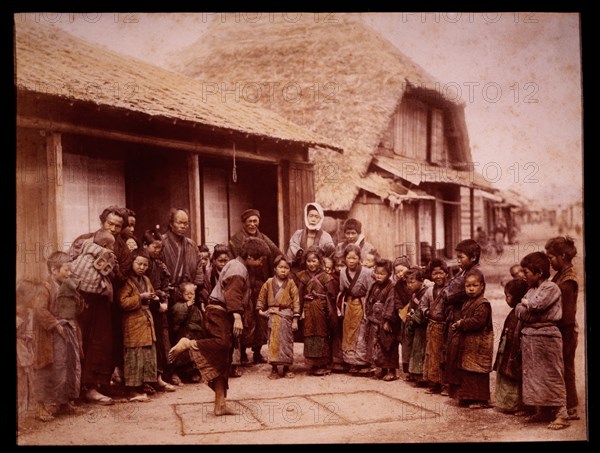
[(445, 329), (535, 362)]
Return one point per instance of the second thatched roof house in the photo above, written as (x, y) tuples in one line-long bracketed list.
[(406, 146)]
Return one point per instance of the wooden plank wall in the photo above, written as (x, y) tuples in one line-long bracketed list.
[(36, 236), (298, 189), (393, 232)]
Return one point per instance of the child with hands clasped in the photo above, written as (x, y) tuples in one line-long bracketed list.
[(279, 301), (139, 338), (471, 346)]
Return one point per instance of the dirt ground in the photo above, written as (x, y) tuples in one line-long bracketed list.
[(338, 408)]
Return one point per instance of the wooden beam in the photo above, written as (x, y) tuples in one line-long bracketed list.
[(193, 168), (283, 234), (53, 126), (54, 167)]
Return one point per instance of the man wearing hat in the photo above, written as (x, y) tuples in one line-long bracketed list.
[(255, 327)]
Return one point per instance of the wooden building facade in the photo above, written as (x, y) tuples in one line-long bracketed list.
[(95, 129)]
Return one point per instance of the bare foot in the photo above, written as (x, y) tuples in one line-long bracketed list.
[(182, 345), (222, 409)]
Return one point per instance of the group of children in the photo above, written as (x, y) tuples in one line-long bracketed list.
[(354, 310), (355, 317)]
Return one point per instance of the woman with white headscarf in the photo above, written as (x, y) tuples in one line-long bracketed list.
[(311, 235)]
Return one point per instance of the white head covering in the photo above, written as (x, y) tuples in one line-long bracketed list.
[(317, 206)]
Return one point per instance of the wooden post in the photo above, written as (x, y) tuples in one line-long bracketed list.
[(193, 167), (54, 166), (472, 207), (283, 234), (433, 231)]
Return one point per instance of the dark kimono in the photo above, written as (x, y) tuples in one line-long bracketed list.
[(381, 307), (403, 297), (255, 327), (317, 299), (508, 366), (416, 325), (470, 352), (566, 279), (161, 279), (212, 354)]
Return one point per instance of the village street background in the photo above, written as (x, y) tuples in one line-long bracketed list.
[(338, 408)]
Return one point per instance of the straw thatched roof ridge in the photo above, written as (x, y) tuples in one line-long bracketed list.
[(344, 82), (50, 61)]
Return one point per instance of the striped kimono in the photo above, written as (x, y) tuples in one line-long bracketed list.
[(432, 307), (281, 298)]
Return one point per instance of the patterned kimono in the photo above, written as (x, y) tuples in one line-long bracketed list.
[(281, 298), (317, 293), (354, 289), (138, 333)]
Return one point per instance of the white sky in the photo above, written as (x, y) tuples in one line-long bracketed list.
[(519, 75)]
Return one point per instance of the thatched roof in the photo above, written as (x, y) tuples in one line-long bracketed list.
[(51, 61), (341, 80)]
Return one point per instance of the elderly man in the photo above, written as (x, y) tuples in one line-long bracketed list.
[(181, 256), (96, 320), (255, 327)]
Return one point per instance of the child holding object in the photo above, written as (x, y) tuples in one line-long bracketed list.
[(471, 346), (139, 338)]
